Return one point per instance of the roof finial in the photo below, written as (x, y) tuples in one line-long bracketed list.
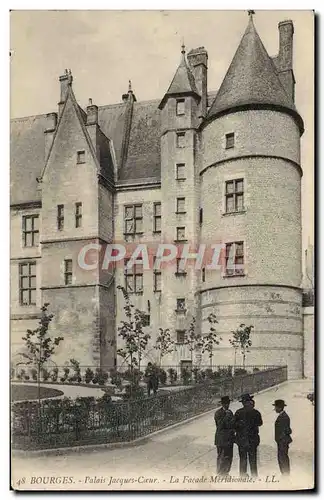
[(90, 102), (183, 47), (251, 13), (130, 86)]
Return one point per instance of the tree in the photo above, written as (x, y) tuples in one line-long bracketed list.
[(242, 340), (164, 343), (131, 331), (39, 345), (193, 339), (211, 338)]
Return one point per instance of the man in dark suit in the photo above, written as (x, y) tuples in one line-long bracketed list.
[(282, 436), (247, 421), (224, 436)]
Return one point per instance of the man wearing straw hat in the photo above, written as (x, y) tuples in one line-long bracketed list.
[(224, 436), (282, 436), (247, 423)]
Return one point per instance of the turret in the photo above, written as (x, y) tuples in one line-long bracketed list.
[(179, 190), (251, 199)]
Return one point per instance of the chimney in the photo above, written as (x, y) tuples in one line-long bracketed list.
[(51, 122), (92, 113), (197, 59), (66, 82), (284, 60)]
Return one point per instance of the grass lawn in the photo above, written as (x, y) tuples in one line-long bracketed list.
[(29, 392)]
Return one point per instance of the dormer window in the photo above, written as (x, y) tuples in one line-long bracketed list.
[(181, 139), (180, 107), (80, 156), (230, 139)]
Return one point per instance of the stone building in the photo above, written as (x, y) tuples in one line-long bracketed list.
[(191, 167)]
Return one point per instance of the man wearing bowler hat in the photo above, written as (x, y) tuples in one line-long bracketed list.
[(224, 436), (282, 436), (247, 421)]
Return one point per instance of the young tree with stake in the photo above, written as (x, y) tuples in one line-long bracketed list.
[(211, 338), (39, 345), (164, 343), (242, 340)]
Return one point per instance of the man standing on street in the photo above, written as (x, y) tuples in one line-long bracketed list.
[(224, 436), (282, 436), (247, 421)]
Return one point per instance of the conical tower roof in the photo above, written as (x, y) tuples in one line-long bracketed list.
[(183, 82), (252, 80)]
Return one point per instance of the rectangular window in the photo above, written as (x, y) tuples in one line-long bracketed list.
[(201, 215), (234, 196), (133, 218), (80, 156), (146, 319), (180, 107), (133, 277), (157, 217), (30, 230), (60, 217), (181, 234), (181, 205), (181, 305), (180, 171), (157, 278), (180, 266), (181, 334), (203, 274), (229, 140), (27, 284), (234, 265), (78, 214), (68, 272), (181, 139)]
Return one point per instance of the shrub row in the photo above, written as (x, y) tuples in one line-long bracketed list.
[(170, 376)]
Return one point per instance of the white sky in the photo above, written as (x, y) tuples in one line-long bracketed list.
[(104, 49)]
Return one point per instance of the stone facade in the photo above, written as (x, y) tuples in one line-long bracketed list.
[(173, 158)]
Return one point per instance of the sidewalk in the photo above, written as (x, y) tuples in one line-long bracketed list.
[(185, 454)]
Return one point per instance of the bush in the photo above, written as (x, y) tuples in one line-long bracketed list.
[(208, 374), (172, 375), (162, 376), (88, 376), (66, 371), (225, 372), (54, 374), (116, 378), (240, 371), (100, 377), (133, 377), (33, 373), (197, 375), (255, 369), (186, 376), (76, 377), (45, 374), (21, 374), (133, 391)]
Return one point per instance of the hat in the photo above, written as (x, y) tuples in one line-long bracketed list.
[(279, 402), (225, 400), (245, 397)]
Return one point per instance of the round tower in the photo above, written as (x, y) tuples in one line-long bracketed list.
[(251, 198)]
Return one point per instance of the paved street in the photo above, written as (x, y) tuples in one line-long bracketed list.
[(185, 454)]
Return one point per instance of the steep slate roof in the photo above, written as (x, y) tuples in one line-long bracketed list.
[(183, 81), (27, 157), (251, 78), (27, 146)]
